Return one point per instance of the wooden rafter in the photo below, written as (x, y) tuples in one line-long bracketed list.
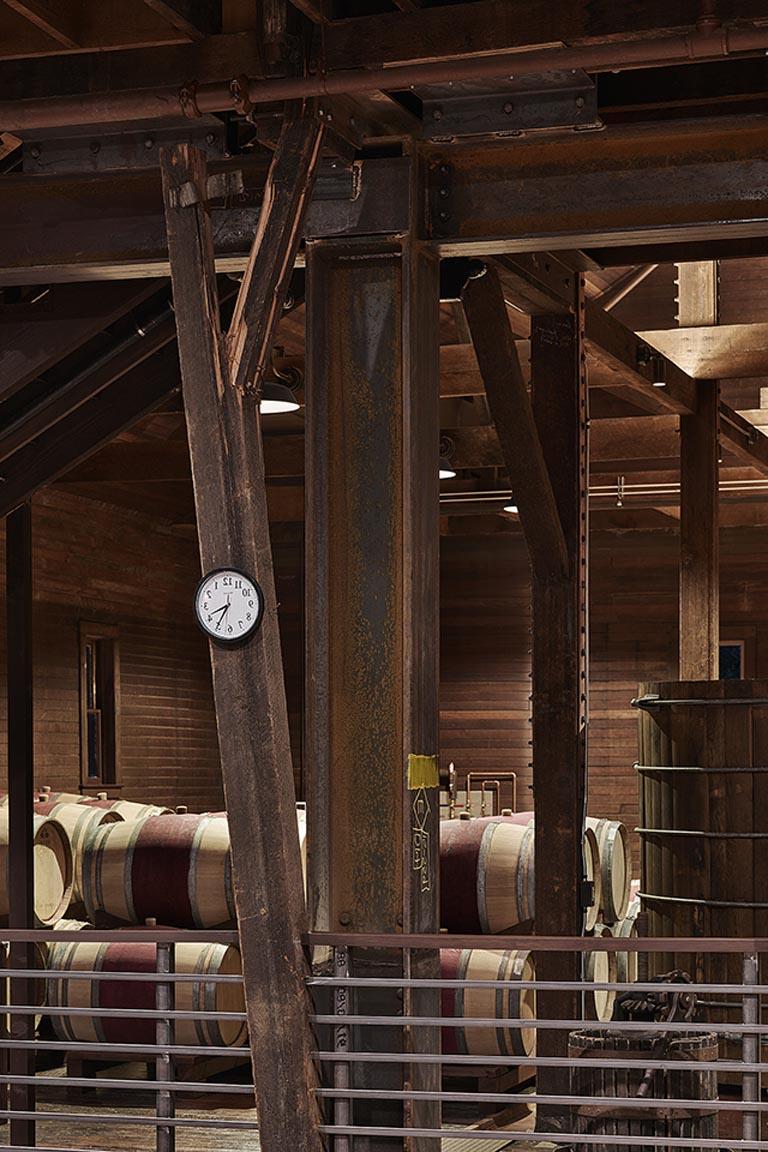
[(57, 19), (195, 18)]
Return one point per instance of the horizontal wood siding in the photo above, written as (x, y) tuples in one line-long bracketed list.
[(634, 589)]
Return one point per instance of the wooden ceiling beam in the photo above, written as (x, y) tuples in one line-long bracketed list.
[(715, 351), (194, 18), (35, 337), (491, 26), (57, 20)]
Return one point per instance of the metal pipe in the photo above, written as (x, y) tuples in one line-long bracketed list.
[(750, 1047), (698, 46)]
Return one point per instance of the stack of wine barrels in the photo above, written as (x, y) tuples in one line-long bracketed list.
[(487, 887)]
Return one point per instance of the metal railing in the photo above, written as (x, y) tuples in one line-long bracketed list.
[(160, 1101), (643, 1114)]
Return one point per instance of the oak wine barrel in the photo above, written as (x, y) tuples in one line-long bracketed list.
[(174, 869), (79, 822), (118, 957), (594, 877), (512, 1003), (615, 853), (600, 968), (52, 862), (486, 875), (128, 809)]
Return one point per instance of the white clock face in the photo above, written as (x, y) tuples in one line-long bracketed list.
[(229, 605)]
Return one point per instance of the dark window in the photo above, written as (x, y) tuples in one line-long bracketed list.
[(732, 660), (99, 705)]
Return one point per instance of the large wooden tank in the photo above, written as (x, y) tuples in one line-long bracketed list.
[(703, 770)]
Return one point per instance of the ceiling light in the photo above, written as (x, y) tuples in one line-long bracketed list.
[(446, 470), (276, 397)]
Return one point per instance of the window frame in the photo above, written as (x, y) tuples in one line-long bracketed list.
[(88, 632)]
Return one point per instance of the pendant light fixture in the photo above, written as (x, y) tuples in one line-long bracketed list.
[(511, 507), (446, 471), (276, 392)]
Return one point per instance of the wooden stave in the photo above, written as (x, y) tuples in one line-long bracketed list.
[(486, 964), (205, 959), (600, 967), (591, 854), (203, 895)]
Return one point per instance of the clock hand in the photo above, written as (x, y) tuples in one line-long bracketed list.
[(223, 612), (223, 609)]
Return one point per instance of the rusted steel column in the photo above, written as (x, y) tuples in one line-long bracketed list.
[(372, 616), (559, 397)]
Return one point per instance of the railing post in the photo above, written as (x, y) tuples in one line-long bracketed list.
[(164, 1034), (750, 1047), (341, 1077)]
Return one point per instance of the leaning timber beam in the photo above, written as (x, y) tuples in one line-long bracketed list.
[(511, 412), (249, 692)]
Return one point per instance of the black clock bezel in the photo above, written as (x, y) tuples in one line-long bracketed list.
[(242, 638)]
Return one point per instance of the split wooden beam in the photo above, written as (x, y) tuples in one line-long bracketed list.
[(511, 412), (699, 615), (249, 692)]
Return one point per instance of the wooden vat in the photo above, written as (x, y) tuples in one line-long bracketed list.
[(121, 958), (703, 772), (175, 869), (52, 858), (598, 1116), (513, 1003)]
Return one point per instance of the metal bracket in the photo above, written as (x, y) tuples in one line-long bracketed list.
[(89, 149), (539, 102)]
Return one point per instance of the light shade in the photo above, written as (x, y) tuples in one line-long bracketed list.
[(446, 472), (276, 397), (510, 508)]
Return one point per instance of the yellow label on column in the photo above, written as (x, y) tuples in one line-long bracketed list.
[(422, 772)]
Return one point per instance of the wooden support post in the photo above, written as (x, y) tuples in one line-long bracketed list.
[(372, 622), (559, 398), (230, 498), (699, 493), (18, 545)]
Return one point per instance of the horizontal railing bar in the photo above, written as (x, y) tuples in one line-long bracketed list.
[(113, 1049), (541, 1061), (138, 977), (107, 1118), (700, 702), (535, 1098), (497, 1022), (541, 985), (725, 769), (130, 1013), (432, 942), (127, 936), (547, 1137), (131, 1085)]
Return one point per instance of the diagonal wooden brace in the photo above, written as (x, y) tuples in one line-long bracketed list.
[(511, 412)]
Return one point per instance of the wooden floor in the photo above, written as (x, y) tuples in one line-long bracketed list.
[(130, 1137)]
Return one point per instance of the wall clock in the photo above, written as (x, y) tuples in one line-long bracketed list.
[(229, 605)]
